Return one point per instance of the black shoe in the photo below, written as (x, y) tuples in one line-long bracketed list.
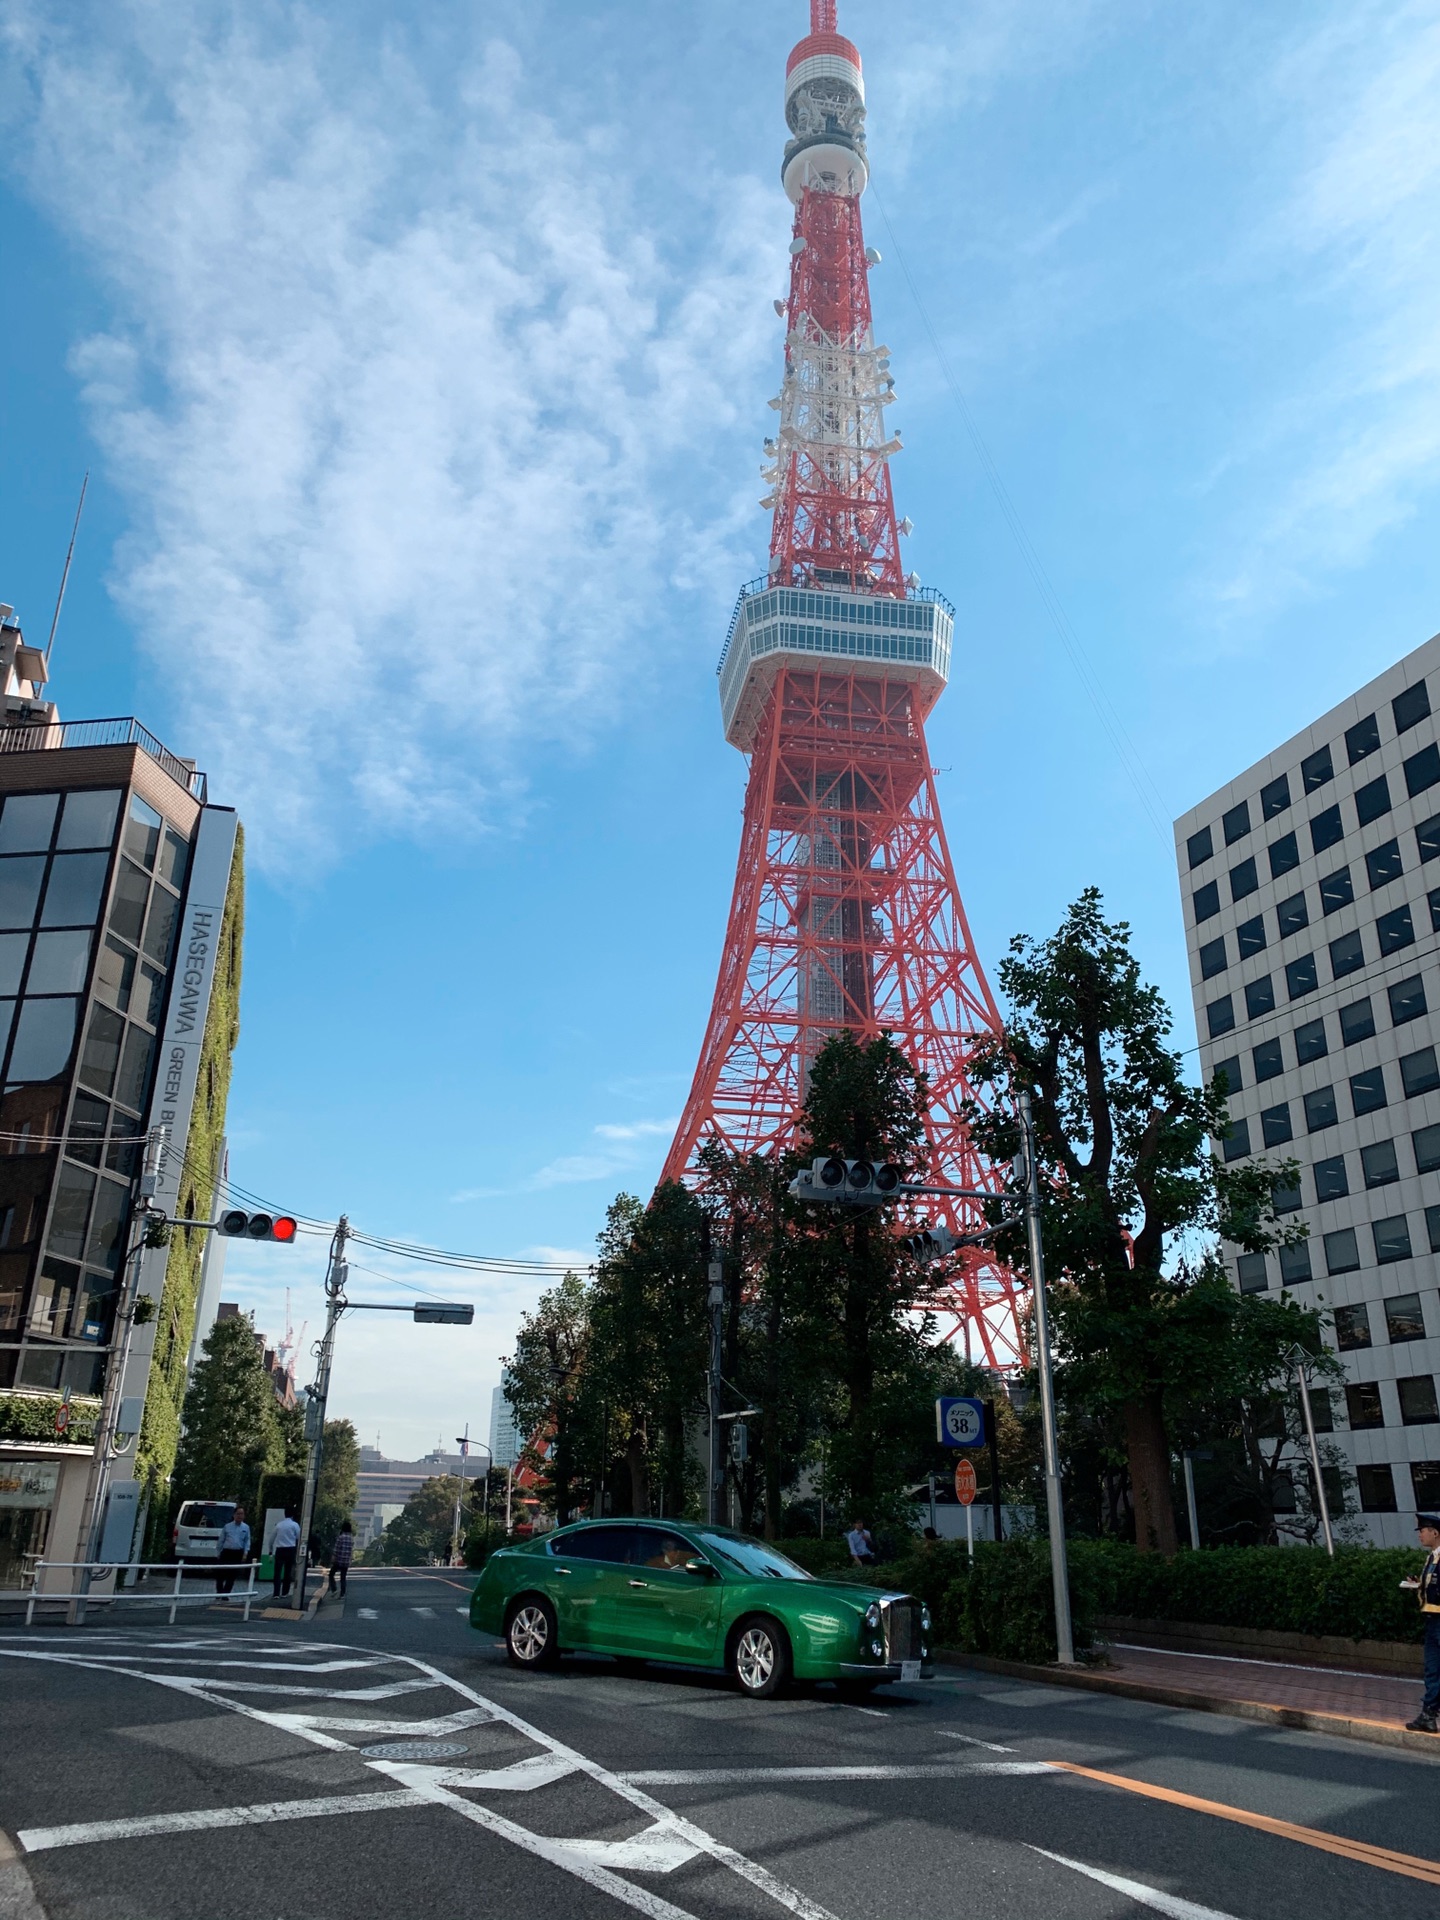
[(1422, 1723)]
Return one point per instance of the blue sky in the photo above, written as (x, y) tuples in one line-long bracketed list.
[(420, 361)]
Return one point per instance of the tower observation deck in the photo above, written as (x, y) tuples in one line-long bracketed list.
[(846, 913)]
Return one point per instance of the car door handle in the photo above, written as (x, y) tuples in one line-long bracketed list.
[(564, 1572), (639, 1583)]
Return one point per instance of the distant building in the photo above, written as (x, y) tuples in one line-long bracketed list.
[(504, 1447), (121, 910), (1312, 909), (385, 1482)]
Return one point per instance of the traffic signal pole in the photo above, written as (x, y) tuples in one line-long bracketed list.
[(335, 1304), (716, 1301), (1054, 1503)]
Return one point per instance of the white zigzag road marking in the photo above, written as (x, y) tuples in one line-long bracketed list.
[(1166, 1903), (86, 1832)]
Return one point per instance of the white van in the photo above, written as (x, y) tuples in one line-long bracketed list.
[(197, 1529)]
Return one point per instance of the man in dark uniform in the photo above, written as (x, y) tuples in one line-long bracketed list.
[(1428, 1589)]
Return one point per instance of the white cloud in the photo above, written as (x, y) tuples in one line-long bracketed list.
[(397, 376), (639, 1129)]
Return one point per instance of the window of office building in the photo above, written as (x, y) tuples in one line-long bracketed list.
[(1310, 1042), (1259, 997), (1427, 839), (1207, 901), (1404, 1319), (1337, 890), (1295, 1264), (1316, 769), (1250, 936), (1384, 864), (1362, 1405), (1367, 1091), (1347, 954), (1244, 879), (1268, 1059), (1320, 1109), (1292, 915), (1395, 929), (1372, 801), (1357, 1021), (1200, 846), (1426, 1142), (1212, 958), (1380, 1164), (1275, 1127), (1284, 855), (1432, 900), (1250, 1271), (1410, 707), (1228, 1073), (1377, 1489), (1422, 770), (1287, 1198), (1352, 1325), (1274, 798), (1407, 1000), (1417, 1400), (1342, 1255), (1326, 829), (1432, 1226), (1330, 1179), (1301, 976), (1425, 1482), (1236, 1141), (1220, 1016), (1236, 823), (1418, 1072), (1362, 739), (1392, 1239)]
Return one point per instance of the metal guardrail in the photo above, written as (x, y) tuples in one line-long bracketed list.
[(211, 1571), (120, 732)]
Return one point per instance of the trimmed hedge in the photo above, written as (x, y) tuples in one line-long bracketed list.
[(1001, 1604), (25, 1416), (1281, 1589)]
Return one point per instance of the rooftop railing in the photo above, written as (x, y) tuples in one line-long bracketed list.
[(46, 736)]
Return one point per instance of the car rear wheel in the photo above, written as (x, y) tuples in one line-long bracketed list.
[(760, 1658), (531, 1633)]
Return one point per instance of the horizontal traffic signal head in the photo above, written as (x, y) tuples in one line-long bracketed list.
[(933, 1244), (863, 1183), (258, 1226), (444, 1313)]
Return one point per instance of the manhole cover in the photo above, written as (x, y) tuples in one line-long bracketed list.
[(413, 1750)]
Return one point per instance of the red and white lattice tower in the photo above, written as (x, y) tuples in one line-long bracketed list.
[(845, 913)]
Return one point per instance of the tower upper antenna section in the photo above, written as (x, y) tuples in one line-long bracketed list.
[(822, 16)]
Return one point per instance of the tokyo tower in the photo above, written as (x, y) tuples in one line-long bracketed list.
[(846, 914)]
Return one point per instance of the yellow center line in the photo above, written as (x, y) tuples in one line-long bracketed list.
[(1359, 1850)]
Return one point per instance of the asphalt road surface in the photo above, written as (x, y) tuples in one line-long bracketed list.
[(218, 1770)]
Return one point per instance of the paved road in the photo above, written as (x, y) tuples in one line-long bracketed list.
[(223, 1771)]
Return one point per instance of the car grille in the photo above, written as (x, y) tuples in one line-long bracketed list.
[(902, 1629)]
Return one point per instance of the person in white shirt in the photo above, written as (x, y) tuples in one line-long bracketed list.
[(862, 1547), (287, 1539), (234, 1548)]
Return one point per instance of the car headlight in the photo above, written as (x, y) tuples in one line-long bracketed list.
[(877, 1647), (872, 1615), (924, 1619)]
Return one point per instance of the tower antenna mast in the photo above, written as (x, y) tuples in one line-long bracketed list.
[(65, 574)]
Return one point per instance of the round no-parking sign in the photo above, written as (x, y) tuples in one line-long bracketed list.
[(965, 1481)]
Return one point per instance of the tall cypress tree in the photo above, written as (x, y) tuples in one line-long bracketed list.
[(231, 1431)]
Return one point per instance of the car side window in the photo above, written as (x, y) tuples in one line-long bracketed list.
[(660, 1548), (596, 1543)]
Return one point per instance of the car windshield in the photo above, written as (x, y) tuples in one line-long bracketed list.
[(750, 1557)]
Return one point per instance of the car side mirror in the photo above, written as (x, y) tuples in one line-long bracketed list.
[(702, 1567)]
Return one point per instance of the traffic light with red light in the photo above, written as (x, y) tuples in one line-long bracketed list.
[(258, 1226)]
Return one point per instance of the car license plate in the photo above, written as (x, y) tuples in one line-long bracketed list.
[(909, 1670)]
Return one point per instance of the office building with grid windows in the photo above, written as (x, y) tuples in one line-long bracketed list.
[(1311, 885), (120, 899)]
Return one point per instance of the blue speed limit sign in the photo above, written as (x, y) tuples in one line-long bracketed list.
[(960, 1423)]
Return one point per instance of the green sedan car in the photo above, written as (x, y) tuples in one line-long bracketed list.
[(699, 1596)]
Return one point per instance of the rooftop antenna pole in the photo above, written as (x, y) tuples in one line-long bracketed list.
[(64, 577)]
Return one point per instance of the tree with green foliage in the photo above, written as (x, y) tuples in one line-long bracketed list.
[(231, 1434), (1127, 1176), (544, 1388), (339, 1484), (420, 1535)]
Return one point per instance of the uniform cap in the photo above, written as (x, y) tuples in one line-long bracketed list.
[(1428, 1520)]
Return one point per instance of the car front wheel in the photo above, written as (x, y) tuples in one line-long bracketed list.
[(531, 1635), (760, 1659)]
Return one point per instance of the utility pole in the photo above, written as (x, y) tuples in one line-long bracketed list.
[(1054, 1502), (335, 1304), (716, 1301), (463, 1442), (92, 1518), (1298, 1355)]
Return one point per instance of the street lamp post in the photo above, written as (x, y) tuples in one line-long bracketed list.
[(463, 1441), (1054, 1501)]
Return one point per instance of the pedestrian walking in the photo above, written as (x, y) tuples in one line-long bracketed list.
[(1427, 1588), (234, 1548), (287, 1539), (342, 1553), (862, 1547)]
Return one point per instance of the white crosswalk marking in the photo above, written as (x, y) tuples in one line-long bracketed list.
[(425, 1613), (367, 1613)]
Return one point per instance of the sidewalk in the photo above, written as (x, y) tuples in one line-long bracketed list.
[(1354, 1706)]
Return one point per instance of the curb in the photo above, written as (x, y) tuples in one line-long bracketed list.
[(1376, 1733), (289, 1613)]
